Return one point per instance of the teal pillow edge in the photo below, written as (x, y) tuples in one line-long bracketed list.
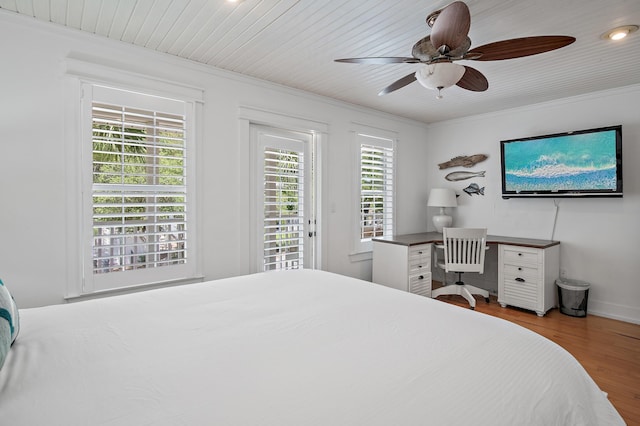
[(5, 341), (12, 311), (4, 313)]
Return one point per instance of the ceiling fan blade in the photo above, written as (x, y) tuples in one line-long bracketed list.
[(379, 60), (451, 26), (519, 47), (473, 80), (398, 84)]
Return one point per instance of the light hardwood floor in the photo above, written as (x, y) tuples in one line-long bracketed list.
[(608, 349)]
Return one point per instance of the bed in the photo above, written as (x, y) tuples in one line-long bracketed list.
[(298, 347)]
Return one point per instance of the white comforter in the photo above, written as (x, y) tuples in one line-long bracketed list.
[(288, 348)]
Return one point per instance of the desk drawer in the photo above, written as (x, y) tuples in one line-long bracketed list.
[(521, 294), (420, 268), (521, 255), (526, 272), (420, 259), (419, 253), (421, 284)]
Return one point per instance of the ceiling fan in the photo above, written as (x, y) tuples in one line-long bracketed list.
[(448, 42)]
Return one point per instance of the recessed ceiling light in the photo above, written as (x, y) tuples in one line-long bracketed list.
[(620, 32)]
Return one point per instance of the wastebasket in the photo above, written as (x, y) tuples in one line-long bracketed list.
[(572, 297)]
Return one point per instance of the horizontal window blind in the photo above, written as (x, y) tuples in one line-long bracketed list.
[(376, 191), (283, 209), (139, 188)]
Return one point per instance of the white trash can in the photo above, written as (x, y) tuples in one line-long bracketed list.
[(572, 297)]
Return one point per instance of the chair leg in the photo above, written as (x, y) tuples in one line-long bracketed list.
[(480, 291), (446, 290), (465, 290), (467, 295)]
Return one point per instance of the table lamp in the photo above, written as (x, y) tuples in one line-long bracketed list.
[(442, 197)]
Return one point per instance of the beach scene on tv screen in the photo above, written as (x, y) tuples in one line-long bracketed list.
[(575, 162)]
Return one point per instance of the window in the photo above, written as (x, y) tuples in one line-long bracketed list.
[(376, 188), (141, 226), (283, 209)]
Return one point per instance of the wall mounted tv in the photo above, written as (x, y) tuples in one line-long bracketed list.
[(584, 163)]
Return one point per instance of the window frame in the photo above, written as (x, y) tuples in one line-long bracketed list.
[(91, 283), (248, 119), (364, 135)]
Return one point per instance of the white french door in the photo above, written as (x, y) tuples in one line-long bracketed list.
[(284, 199)]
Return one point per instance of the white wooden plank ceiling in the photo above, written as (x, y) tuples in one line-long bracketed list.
[(294, 43)]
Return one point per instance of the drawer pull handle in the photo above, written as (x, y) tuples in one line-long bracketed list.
[(521, 280), (519, 269), (421, 277), (419, 266), (519, 254), (419, 252)]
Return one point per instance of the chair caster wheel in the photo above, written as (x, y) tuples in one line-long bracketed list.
[(486, 299), (473, 308)]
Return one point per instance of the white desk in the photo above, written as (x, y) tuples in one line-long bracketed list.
[(527, 268)]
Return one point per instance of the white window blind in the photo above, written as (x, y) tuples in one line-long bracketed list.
[(283, 209), (139, 190), (376, 189)]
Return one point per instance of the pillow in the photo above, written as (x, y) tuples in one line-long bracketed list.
[(5, 340), (9, 321)]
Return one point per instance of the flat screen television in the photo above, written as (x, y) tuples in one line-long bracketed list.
[(584, 163)]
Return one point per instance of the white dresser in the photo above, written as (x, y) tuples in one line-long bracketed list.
[(527, 268)]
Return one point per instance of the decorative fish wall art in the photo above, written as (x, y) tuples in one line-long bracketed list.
[(463, 160), (474, 188), (455, 176)]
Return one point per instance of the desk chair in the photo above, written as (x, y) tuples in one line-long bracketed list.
[(463, 252)]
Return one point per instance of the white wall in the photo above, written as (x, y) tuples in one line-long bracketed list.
[(600, 238), (36, 242)]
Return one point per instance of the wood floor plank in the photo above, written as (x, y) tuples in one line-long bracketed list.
[(609, 350)]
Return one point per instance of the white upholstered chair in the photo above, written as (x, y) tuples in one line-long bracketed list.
[(463, 252)]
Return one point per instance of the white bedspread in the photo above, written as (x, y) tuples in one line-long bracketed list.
[(288, 348)]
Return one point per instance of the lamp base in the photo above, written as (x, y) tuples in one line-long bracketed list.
[(442, 221)]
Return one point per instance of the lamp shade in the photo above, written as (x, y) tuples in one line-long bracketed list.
[(442, 197), (440, 75)]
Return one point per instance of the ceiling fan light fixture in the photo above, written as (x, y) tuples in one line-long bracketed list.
[(619, 33), (440, 75)]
